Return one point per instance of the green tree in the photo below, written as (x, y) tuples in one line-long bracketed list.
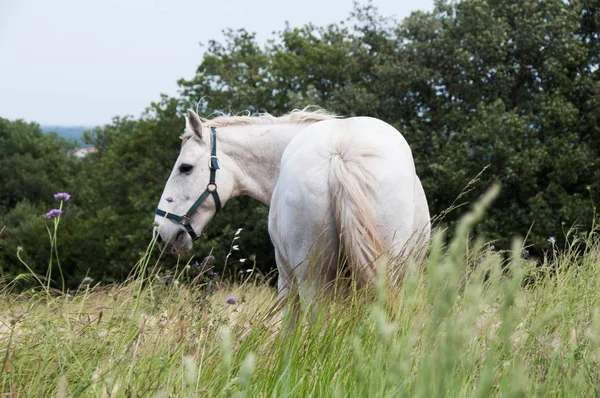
[(34, 165), (509, 85), (503, 83)]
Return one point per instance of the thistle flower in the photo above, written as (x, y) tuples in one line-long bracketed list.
[(62, 196), (54, 213), (231, 300)]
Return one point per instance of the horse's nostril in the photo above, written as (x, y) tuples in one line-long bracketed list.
[(180, 234), (159, 239)]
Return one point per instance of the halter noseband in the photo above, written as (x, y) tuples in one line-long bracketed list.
[(211, 189)]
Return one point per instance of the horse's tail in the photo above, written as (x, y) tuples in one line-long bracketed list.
[(351, 191)]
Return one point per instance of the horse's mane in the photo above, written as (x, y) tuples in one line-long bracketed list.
[(297, 116)]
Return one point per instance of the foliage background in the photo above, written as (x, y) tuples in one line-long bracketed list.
[(514, 86)]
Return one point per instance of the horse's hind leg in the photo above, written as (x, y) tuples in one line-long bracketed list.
[(316, 275), (288, 294)]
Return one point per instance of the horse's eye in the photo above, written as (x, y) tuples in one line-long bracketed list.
[(185, 168)]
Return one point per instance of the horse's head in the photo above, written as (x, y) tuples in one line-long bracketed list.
[(197, 188)]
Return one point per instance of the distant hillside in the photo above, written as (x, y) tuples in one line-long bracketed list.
[(69, 132)]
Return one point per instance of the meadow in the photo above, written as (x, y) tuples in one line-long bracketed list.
[(468, 321)]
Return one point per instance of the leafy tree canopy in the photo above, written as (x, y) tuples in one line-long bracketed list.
[(509, 87)]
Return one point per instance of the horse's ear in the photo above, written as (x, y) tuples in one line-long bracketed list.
[(192, 121)]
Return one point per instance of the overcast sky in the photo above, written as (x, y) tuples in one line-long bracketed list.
[(81, 62)]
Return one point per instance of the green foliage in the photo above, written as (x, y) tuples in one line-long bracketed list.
[(33, 165), (509, 87), (503, 87)]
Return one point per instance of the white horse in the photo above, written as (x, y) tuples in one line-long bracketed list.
[(337, 189)]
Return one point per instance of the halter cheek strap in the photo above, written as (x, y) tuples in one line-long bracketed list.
[(211, 190)]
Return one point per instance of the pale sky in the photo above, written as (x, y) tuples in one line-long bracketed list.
[(81, 62)]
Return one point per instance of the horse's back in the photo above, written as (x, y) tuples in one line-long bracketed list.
[(373, 134)]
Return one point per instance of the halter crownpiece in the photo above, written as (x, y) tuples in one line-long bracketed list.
[(211, 189)]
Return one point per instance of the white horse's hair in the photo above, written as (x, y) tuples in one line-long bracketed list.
[(296, 116), (351, 188)]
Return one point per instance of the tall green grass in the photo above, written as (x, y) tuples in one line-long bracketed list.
[(469, 322)]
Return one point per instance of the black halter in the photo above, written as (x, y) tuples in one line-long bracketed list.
[(211, 189)]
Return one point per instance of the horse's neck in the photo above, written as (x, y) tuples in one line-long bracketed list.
[(256, 150)]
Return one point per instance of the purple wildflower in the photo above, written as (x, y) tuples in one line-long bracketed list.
[(525, 253), (62, 196), (208, 259), (54, 213), (87, 279), (212, 273), (196, 264), (231, 300)]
